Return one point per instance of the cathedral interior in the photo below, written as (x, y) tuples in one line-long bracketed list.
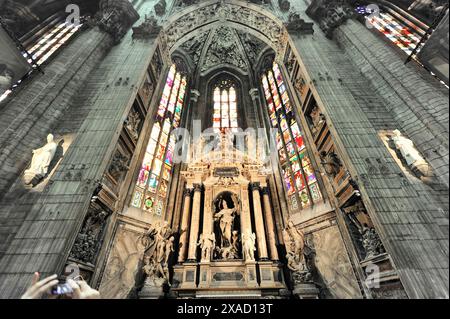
[(288, 149)]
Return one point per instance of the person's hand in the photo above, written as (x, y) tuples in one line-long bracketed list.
[(81, 290), (39, 288)]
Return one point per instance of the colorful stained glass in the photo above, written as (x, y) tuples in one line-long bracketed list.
[(143, 177), (304, 198), (283, 156), (155, 174), (153, 183), (149, 203), (167, 172), (286, 137), (137, 199), (315, 192), (290, 142), (290, 149), (289, 185), (299, 181), (295, 163), (279, 141)]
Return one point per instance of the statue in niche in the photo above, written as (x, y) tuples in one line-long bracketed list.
[(41, 160), (331, 163), (207, 244), (86, 244), (369, 238), (119, 165), (158, 242), (132, 124), (317, 118), (226, 218), (249, 245), (297, 254), (411, 156), (226, 227)]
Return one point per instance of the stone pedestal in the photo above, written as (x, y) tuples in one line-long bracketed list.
[(205, 275), (306, 291), (251, 274), (152, 290), (189, 276), (271, 275)]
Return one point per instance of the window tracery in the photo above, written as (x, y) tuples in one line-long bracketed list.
[(155, 174), (300, 181)]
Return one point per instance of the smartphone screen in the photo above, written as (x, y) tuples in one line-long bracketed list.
[(61, 289)]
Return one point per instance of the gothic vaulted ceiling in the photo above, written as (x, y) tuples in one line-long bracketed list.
[(223, 46)]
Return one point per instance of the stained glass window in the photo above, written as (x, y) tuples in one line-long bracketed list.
[(299, 178), (225, 106), (156, 170)]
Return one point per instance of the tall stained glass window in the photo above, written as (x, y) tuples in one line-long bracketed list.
[(299, 178), (156, 171), (225, 106)]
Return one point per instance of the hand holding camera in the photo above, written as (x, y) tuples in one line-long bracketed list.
[(72, 288)]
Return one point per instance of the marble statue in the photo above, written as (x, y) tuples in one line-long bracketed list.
[(207, 243), (132, 124), (158, 242), (41, 160), (226, 219), (294, 240), (249, 245), (317, 120), (412, 157)]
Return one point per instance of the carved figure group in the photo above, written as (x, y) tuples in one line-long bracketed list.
[(158, 242), (295, 254)]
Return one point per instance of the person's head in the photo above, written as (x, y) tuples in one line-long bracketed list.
[(397, 133), (50, 138)]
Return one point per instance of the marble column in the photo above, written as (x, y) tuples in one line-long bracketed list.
[(185, 219), (208, 222), (270, 229), (259, 222), (195, 222)]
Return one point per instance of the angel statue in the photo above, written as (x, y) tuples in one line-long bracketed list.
[(207, 243), (249, 245)]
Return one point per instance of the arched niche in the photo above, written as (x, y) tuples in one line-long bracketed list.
[(240, 15)]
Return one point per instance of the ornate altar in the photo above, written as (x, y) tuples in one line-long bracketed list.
[(227, 240)]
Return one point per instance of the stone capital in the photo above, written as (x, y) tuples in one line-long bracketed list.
[(265, 190), (254, 94), (198, 187), (187, 192), (254, 186), (195, 94)]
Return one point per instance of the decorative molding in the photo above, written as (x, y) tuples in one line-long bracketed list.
[(223, 49), (148, 29), (268, 28), (297, 24)]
